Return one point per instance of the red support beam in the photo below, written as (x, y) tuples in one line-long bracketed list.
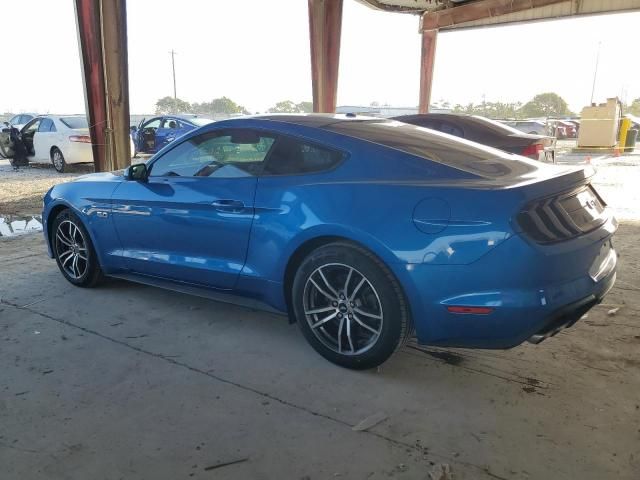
[(325, 26), (427, 61), (89, 40), (102, 36)]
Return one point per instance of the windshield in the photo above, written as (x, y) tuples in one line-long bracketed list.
[(75, 123), (200, 121), (495, 125)]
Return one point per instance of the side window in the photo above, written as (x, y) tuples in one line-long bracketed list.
[(226, 154), (32, 127), (293, 157), (171, 123), (46, 125), (15, 120), (152, 123)]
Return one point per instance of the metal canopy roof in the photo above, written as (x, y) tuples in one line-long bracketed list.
[(451, 14)]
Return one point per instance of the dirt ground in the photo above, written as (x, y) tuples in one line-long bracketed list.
[(128, 381), (21, 191)]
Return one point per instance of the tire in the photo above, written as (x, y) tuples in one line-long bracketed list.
[(361, 328), (57, 160), (73, 250)]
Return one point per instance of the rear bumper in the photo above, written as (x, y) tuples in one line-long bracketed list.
[(77, 152), (532, 292)]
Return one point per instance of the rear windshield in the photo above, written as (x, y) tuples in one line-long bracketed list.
[(75, 122), (495, 126), (429, 144)]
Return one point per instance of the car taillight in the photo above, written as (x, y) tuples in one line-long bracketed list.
[(80, 138), (532, 150)]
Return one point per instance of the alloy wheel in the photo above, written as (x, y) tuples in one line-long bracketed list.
[(343, 309), (58, 160), (71, 249)]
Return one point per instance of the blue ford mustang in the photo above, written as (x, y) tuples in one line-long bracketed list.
[(363, 230)]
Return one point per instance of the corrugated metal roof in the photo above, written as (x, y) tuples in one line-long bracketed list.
[(451, 14), (558, 10)]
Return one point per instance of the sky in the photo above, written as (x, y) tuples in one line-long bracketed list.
[(257, 53)]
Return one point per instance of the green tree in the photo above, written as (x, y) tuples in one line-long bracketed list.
[(222, 105), (172, 105), (545, 105), (305, 107), (287, 106), (634, 108), (497, 110)]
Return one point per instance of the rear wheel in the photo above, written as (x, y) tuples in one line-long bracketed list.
[(73, 250), (349, 306), (57, 159)]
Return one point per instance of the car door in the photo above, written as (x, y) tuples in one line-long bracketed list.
[(146, 135), (28, 134), (167, 132), (44, 139), (190, 220)]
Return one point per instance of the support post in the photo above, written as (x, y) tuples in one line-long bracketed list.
[(90, 44), (427, 61), (102, 38), (325, 26), (114, 33)]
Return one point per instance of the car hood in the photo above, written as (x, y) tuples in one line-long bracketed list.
[(115, 176)]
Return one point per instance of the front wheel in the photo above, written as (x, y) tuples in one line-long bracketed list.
[(349, 306), (57, 159), (73, 250)]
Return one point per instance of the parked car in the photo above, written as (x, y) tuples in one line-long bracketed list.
[(20, 120), (533, 127), (562, 128), (486, 131), (61, 139), (153, 134), (576, 125), (362, 229)]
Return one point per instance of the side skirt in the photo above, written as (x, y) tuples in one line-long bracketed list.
[(198, 291)]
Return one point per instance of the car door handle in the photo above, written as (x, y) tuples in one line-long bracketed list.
[(228, 205)]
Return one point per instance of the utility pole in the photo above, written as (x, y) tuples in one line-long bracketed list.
[(173, 68), (595, 73)]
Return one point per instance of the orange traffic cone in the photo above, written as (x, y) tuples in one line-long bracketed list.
[(588, 159), (616, 152)]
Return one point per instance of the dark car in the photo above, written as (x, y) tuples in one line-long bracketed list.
[(361, 229), (153, 134), (486, 131)]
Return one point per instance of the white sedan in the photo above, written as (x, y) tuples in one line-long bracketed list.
[(61, 139)]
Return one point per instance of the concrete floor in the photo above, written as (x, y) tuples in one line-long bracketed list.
[(127, 381)]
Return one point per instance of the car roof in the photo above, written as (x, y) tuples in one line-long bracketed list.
[(316, 120)]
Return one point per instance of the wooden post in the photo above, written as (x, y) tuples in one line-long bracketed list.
[(427, 61), (325, 25), (114, 37), (90, 43)]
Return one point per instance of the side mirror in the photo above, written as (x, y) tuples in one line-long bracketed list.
[(133, 128), (137, 172)]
